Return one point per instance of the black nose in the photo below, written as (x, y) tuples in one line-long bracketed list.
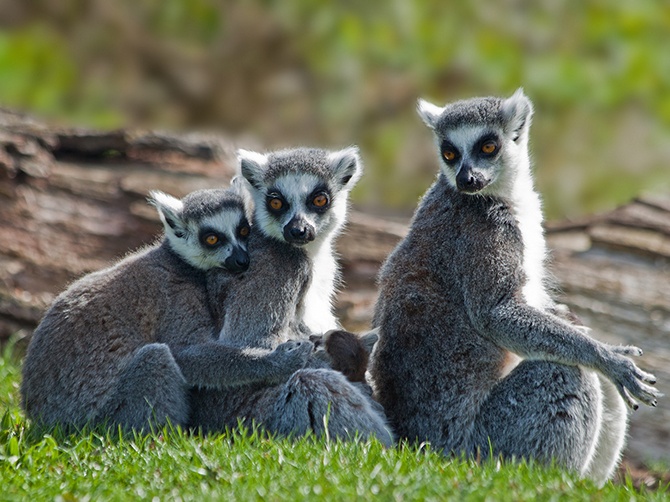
[(238, 261), (298, 231), (242, 262), (470, 181)]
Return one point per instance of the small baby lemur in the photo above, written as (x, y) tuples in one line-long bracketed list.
[(472, 351)]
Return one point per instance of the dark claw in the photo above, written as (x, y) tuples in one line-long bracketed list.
[(635, 407)]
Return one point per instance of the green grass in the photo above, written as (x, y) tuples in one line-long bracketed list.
[(172, 464)]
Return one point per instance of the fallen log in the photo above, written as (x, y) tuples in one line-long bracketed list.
[(73, 201)]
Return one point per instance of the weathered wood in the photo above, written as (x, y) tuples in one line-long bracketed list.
[(73, 201), (618, 281)]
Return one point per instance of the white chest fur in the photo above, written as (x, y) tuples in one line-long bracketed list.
[(317, 308), (528, 213)]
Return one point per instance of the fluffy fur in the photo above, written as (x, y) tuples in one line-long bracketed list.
[(463, 300), (296, 175), (123, 345), (286, 295)]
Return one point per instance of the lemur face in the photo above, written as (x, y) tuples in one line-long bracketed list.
[(298, 206), (481, 141), (471, 157), (300, 195), (208, 228)]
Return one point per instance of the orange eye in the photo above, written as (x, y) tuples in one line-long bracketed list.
[(244, 231), (211, 240), (489, 147), (276, 203), (320, 200), (449, 155)]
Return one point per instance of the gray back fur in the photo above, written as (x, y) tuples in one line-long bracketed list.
[(286, 295), (260, 307), (463, 300), (123, 345)]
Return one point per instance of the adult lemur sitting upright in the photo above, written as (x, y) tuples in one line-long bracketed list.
[(300, 198), (472, 348)]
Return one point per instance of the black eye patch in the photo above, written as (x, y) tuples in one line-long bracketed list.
[(243, 229), (486, 146), (210, 238), (276, 203), (449, 152), (319, 200)]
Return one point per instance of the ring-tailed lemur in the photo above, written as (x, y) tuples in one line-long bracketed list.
[(300, 198), (464, 297), (122, 345)]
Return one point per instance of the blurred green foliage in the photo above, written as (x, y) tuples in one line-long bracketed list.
[(333, 73)]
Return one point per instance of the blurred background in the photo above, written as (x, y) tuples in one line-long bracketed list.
[(282, 73)]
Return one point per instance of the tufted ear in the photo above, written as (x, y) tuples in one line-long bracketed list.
[(517, 111), (346, 166), (252, 166), (428, 112), (170, 211), (241, 186), (237, 184)]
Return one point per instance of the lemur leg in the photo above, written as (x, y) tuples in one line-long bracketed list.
[(612, 434), (543, 411), (313, 399), (150, 391)]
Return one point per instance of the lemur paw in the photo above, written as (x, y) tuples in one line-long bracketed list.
[(631, 382), (291, 356)]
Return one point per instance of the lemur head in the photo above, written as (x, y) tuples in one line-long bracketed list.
[(483, 142), (207, 228), (300, 195)]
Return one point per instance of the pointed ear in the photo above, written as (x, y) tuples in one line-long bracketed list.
[(252, 166), (517, 111), (169, 209), (240, 186), (369, 339), (346, 166), (428, 112)]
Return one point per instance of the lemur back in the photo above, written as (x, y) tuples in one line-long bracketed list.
[(122, 345), (471, 354)]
